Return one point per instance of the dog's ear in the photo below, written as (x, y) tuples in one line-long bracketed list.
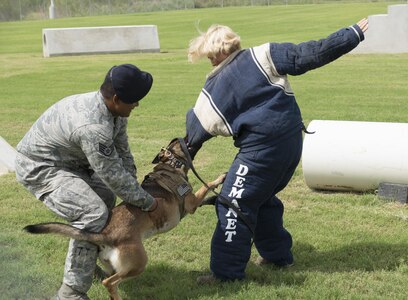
[(158, 157), (173, 140), (176, 148), (172, 143), (156, 160)]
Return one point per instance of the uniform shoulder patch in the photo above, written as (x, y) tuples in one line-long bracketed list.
[(105, 150)]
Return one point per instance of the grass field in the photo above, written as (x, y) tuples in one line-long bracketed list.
[(346, 245)]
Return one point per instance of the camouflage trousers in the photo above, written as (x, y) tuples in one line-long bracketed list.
[(85, 202)]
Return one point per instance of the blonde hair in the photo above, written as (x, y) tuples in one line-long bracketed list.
[(217, 39)]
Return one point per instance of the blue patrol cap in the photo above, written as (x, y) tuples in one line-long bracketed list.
[(130, 83)]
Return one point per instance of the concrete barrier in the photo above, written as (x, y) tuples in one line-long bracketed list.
[(98, 40), (7, 157), (387, 33)]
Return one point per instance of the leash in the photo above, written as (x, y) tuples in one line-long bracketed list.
[(221, 198)]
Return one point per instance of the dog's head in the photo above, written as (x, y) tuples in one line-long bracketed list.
[(174, 155)]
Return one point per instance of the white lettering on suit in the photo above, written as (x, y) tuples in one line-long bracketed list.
[(235, 193)]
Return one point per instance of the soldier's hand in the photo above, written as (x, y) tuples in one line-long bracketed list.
[(158, 214)]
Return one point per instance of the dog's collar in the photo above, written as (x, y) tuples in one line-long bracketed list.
[(172, 159)]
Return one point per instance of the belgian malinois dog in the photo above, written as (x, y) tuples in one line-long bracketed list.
[(120, 243)]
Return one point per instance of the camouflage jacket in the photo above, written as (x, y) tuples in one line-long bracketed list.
[(72, 137)]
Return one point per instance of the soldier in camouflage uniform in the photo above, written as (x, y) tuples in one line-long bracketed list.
[(76, 160)]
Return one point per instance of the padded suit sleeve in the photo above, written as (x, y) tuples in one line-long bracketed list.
[(295, 59), (196, 135)]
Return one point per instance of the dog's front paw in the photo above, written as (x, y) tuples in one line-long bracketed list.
[(219, 180), (209, 200)]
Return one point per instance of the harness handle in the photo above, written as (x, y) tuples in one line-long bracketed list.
[(221, 198)]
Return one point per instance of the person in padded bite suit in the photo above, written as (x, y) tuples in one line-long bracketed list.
[(248, 96)]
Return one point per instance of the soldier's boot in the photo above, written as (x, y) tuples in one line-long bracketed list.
[(79, 270), (68, 293)]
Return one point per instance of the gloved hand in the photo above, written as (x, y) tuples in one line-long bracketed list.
[(157, 213)]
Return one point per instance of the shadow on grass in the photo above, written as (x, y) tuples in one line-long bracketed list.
[(366, 257), (18, 278), (164, 281), (168, 281)]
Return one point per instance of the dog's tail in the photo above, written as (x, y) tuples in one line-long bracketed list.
[(66, 230)]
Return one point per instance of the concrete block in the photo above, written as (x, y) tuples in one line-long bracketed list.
[(98, 40), (387, 33), (7, 157), (393, 192)]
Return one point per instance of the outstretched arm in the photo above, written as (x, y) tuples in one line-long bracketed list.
[(295, 59)]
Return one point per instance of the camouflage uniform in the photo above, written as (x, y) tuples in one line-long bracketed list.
[(76, 158)]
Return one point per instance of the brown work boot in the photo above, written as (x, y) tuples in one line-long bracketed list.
[(209, 279), (260, 261)]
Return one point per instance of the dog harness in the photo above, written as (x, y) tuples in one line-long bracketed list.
[(172, 181)]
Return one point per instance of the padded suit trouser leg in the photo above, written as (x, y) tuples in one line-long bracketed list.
[(252, 183)]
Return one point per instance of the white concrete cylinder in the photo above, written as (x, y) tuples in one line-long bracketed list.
[(355, 156)]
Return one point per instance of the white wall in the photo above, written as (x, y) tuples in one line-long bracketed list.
[(387, 33), (97, 40), (7, 157)]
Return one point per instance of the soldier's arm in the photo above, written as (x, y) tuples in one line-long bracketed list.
[(122, 147), (108, 165)]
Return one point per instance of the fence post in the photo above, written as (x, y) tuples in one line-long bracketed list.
[(51, 10), (21, 15)]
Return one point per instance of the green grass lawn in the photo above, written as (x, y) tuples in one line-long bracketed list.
[(346, 245)]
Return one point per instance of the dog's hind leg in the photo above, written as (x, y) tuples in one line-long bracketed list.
[(111, 285), (130, 262)]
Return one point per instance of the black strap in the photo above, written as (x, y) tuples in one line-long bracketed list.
[(221, 198), (305, 130)]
